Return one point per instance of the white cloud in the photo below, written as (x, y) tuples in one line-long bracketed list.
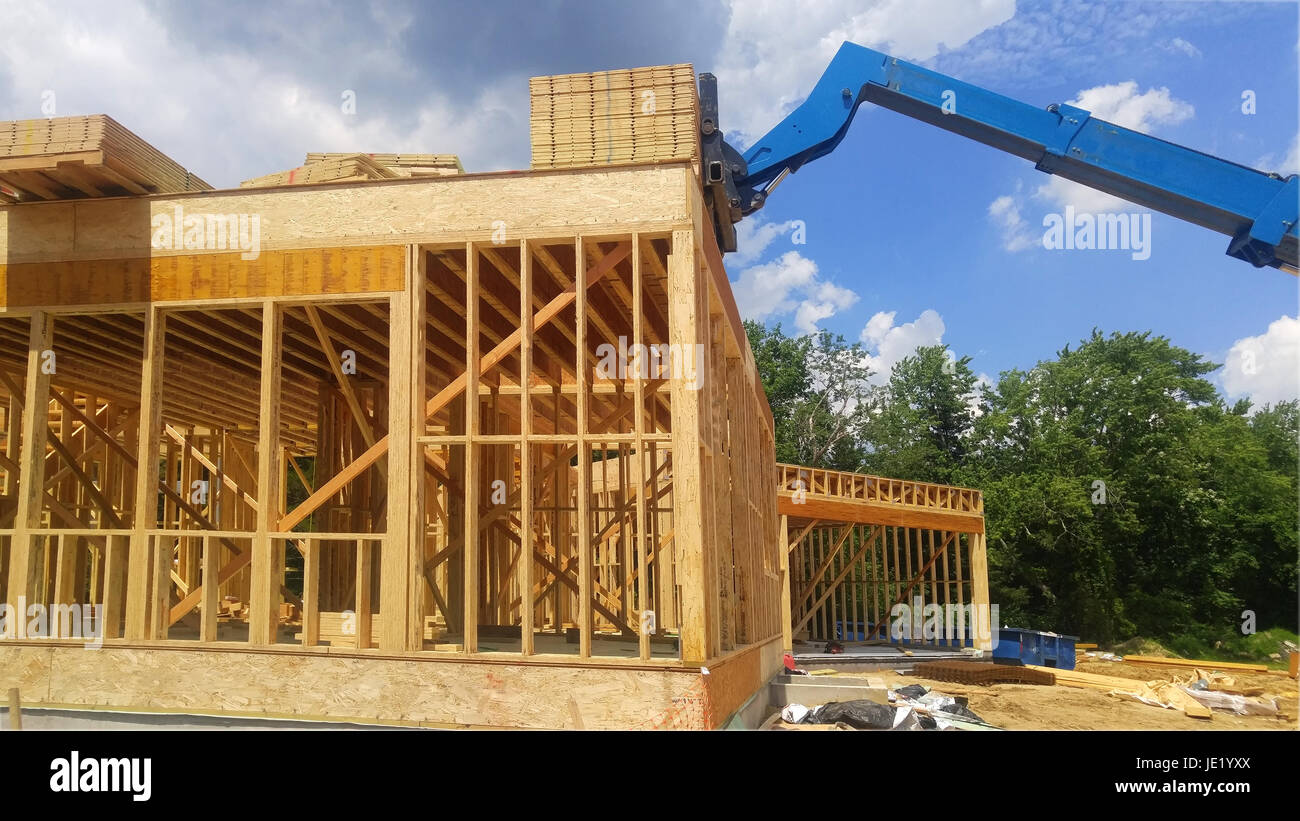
[(1016, 234), (1122, 105), (226, 116), (765, 290), (773, 53), (1180, 46), (1266, 367), (876, 328), (789, 284), (891, 343), (983, 382), (828, 299), (1289, 164), (753, 235)]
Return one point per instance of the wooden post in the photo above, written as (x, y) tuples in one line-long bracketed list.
[(31, 461), (787, 636), (979, 577), (584, 463), (268, 553), (688, 498), (139, 571), (415, 489), (311, 594), (404, 472), (114, 580), (15, 709), (470, 551), (364, 620), (31, 481), (211, 602), (527, 606), (644, 465)]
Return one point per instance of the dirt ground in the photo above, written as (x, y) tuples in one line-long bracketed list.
[(1033, 707)]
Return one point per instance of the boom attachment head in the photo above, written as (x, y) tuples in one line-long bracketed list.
[(721, 166)]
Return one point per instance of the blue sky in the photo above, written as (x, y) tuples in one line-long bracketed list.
[(898, 214), (913, 234)]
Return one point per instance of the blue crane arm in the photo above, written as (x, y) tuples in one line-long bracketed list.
[(1256, 209)]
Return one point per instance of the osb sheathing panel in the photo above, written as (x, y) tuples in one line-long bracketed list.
[(339, 687), (327, 271), (732, 682), (384, 212)]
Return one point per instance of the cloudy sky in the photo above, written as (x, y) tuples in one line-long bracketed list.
[(913, 235)]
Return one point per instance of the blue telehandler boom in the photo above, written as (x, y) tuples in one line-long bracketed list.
[(1257, 210)]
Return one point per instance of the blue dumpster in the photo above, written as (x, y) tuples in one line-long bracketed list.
[(1019, 646)]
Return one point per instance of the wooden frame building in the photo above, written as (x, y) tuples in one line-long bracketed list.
[(448, 450), (341, 357)]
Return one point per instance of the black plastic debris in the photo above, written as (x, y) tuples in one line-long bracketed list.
[(911, 691), (862, 714), (963, 711)]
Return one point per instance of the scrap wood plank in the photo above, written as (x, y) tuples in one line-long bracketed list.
[(1096, 681), (1202, 663)]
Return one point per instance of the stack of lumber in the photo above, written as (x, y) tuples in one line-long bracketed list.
[(404, 165), (345, 168), (626, 116), (979, 672), (75, 157)]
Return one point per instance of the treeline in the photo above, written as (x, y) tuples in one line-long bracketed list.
[(1123, 495)]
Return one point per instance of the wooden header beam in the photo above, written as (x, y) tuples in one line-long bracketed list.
[(830, 509)]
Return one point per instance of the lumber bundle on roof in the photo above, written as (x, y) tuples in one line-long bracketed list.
[(91, 156), (404, 165), (630, 115), (346, 168)]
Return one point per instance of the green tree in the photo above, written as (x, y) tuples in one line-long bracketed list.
[(817, 387), (1123, 497), (923, 426)]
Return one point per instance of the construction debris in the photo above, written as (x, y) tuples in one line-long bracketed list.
[(912, 708), (1241, 705), (76, 157)]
